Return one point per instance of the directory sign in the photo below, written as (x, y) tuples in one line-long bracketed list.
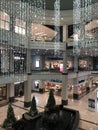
[(91, 104)]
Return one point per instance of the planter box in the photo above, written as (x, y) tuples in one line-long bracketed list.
[(59, 118), (54, 118), (28, 122)]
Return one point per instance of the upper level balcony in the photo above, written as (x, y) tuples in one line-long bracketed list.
[(47, 45), (4, 79)]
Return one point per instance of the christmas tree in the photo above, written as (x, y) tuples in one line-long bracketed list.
[(51, 100), (33, 110), (10, 118)]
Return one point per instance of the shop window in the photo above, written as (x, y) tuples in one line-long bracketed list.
[(83, 64), (3, 93), (20, 26), (4, 21)]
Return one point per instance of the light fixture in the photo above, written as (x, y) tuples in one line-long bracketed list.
[(83, 20), (97, 21), (52, 18), (62, 18), (76, 37)]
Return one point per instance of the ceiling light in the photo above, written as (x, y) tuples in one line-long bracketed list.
[(76, 37), (35, 28), (62, 18)]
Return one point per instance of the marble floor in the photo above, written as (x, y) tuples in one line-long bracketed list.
[(88, 117)]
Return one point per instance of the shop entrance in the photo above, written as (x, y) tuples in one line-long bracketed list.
[(19, 89), (3, 93)]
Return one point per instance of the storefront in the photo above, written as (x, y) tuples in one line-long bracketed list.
[(57, 65), (85, 63), (38, 86), (3, 92), (19, 89)]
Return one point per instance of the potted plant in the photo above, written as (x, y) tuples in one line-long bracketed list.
[(10, 119), (32, 118), (51, 103), (33, 109)]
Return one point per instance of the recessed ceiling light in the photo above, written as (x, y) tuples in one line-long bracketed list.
[(52, 18), (35, 28), (62, 18)]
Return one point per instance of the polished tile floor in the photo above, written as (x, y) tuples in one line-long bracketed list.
[(86, 114)]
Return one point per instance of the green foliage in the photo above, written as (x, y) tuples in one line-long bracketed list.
[(51, 100), (33, 109), (10, 118)]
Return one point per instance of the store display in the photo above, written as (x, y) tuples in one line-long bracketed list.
[(82, 63), (91, 104), (58, 65)]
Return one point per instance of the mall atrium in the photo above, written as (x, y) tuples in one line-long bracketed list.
[(49, 44)]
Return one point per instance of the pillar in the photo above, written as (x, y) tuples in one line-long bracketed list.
[(11, 61), (27, 90), (10, 92), (65, 33), (76, 63), (64, 92), (90, 82), (75, 91), (28, 83)]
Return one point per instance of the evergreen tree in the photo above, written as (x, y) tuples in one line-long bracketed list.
[(51, 100), (33, 110), (10, 117)]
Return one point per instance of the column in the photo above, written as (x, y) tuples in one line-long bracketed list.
[(27, 90), (64, 92), (28, 83), (10, 92), (90, 82), (11, 53), (75, 91), (76, 63), (0, 61), (41, 86), (11, 61), (65, 33)]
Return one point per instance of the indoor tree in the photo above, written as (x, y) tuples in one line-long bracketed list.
[(10, 119), (33, 109), (51, 100)]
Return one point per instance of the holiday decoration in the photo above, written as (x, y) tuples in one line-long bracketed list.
[(33, 110), (51, 100), (10, 120)]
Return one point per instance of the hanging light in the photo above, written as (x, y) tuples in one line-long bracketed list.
[(57, 27), (84, 14)]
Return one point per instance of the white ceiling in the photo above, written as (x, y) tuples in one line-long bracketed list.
[(66, 18)]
